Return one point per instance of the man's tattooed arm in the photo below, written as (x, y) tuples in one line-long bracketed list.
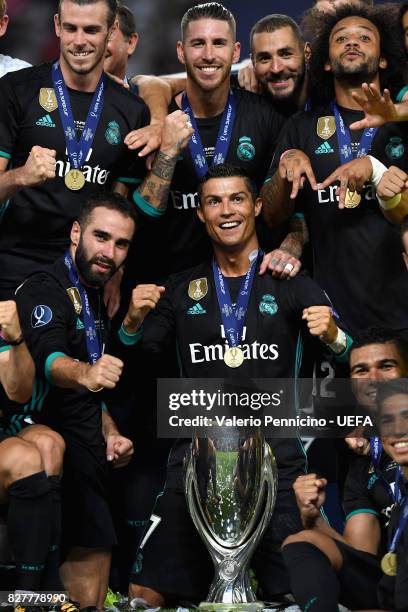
[(276, 203), (156, 186)]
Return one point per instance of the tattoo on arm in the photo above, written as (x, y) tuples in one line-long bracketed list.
[(156, 186), (163, 166), (297, 238)]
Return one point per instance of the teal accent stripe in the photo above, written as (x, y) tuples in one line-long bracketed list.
[(362, 511), (48, 363), (104, 407), (146, 207), (298, 363), (267, 180), (402, 93), (344, 356), (126, 179), (129, 339), (3, 349), (298, 215), (4, 154)]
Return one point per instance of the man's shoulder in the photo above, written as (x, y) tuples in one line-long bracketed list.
[(180, 280), (23, 77), (255, 102), (11, 64), (127, 98), (48, 278)]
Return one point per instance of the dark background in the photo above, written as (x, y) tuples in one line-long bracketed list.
[(30, 35)]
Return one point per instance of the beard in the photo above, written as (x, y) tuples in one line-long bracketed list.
[(355, 75), (291, 98), (84, 266)]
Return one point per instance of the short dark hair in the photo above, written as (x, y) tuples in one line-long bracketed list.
[(321, 83), (403, 9), (271, 23), (228, 171), (381, 335), (111, 4), (127, 22), (3, 8), (388, 388), (209, 10), (110, 200)]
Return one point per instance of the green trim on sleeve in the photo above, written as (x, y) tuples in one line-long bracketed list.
[(267, 180), (298, 215), (48, 364), (5, 348), (146, 207), (104, 407), (4, 154), (344, 356), (402, 93), (362, 511), (126, 179), (129, 339)]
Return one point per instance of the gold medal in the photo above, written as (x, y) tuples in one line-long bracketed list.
[(74, 179), (233, 357), (389, 564), (352, 199)]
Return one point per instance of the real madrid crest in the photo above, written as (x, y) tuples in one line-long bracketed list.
[(326, 127), (75, 298), (198, 289), (48, 99)]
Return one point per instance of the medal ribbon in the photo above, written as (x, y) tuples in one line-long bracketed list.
[(233, 319), (77, 151), (223, 137), (92, 341), (344, 139), (376, 452), (403, 519)]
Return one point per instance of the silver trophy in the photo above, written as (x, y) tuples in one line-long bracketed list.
[(230, 486)]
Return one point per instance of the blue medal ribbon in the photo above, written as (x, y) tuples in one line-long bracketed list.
[(92, 341), (376, 449), (344, 139), (77, 151), (401, 526), (233, 319), (223, 137)]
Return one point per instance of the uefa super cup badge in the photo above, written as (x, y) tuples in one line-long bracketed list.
[(326, 127), (198, 289)]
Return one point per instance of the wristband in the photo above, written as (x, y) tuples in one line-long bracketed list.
[(378, 170), (389, 204), (95, 390), (340, 343), (16, 342)]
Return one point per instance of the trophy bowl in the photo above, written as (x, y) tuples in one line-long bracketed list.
[(230, 486)]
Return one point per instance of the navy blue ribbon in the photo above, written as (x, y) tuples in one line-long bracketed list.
[(376, 449), (344, 139), (77, 151), (401, 526), (223, 137), (93, 346), (233, 319)]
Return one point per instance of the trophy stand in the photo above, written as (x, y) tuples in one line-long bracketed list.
[(232, 515)]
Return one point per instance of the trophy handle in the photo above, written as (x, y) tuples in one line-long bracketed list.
[(231, 584)]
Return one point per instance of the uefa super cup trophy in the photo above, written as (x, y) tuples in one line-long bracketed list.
[(230, 486)]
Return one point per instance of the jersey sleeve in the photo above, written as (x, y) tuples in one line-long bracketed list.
[(44, 320), (10, 109), (356, 499)]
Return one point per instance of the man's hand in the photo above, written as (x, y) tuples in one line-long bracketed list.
[(9, 321), (247, 79), (144, 298), (177, 131), (310, 496), (361, 446), (393, 182), (111, 293), (320, 322), (119, 450), (294, 166), (39, 167), (281, 263), (103, 374), (352, 176), (148, 137), (378, 109)]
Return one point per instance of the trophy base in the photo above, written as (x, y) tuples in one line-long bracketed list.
[(250, 606)]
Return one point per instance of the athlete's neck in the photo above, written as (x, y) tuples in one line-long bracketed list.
[(344, 90), (235, 261), (81, 82), (207, 103)]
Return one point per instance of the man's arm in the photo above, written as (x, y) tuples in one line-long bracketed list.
[(16, 365), (378, 108), (392, 194), (70, 373), (119, 450), (284, 262), (39, 167)]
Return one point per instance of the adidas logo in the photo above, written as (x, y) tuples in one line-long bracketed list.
[(196, 310), (79, 324), (45, 121), (324, 148)]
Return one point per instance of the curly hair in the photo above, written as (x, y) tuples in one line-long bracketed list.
[(393, 77)]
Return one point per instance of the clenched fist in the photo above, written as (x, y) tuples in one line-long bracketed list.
[(320, 322), (9, 321), (103, 374), (39, 167), (176, 133), (144, 298), (310, 496)]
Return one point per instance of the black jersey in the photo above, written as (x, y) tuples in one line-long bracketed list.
[(182, 238), (271, 338), (356, 252), (365, 491), (53, 326), (35, 222)]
